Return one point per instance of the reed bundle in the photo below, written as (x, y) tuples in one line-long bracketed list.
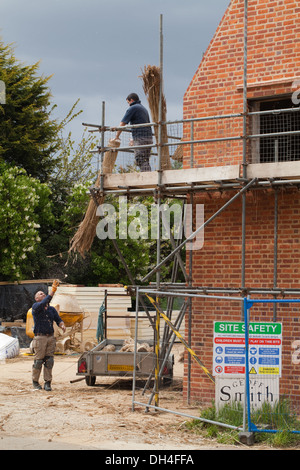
[(84, 237), (151, 85), (178, 154)]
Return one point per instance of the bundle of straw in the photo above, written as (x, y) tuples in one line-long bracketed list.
[(84, 237), (151, 86), (110, 157), (178, 154)]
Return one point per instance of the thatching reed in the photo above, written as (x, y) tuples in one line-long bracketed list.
[(129, 346), (151, 86), (110, 157), (84, 237), (178, 154)]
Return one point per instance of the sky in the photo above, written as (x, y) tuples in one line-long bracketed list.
[(95, 50)]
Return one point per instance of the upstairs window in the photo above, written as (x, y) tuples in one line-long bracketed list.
[(279, 148)]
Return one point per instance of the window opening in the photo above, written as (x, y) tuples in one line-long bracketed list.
[(280, 148)]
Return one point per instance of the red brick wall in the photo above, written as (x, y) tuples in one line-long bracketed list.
[(218, 264), (216, 89), (217, 86)]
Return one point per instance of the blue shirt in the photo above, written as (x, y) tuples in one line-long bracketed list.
[(138, 114), (44, 315)]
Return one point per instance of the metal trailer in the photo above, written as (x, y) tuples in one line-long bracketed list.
[(97, 362)]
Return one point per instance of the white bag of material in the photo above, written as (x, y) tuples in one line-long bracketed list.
[(9, 347)]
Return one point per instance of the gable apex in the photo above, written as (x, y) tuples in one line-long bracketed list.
[(273, 57)]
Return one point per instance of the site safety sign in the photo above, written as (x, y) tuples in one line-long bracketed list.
[(265, 348)]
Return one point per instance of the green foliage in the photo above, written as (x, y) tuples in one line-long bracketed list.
[(38, 220), (76, 202), (28, 136), (74, 161), (105, 262), (278, 419), (24, 205), (136, 244), (278, 415)]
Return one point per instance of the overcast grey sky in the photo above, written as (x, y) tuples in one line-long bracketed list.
[(95, 49)]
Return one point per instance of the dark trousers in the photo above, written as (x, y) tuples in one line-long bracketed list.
[(142, 155)]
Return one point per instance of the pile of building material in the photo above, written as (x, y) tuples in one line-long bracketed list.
[(129, 345), (145, 331), (90, 300)]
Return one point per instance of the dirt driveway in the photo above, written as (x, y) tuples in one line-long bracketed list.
[(75, 416)]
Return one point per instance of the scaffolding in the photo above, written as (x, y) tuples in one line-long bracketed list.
[(223, 135)]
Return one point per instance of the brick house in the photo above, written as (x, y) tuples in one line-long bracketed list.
[(273, 67)]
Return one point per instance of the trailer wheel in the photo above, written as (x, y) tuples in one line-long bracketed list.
[(90, 380)]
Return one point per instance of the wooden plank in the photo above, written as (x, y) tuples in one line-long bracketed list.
[(172, 177), (286, 170), (90, 299), (202, 175)]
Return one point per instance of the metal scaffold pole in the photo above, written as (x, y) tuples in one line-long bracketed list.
[(102, 147), (157, 329), (245, 119)]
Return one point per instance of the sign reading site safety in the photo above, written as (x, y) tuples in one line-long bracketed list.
[(265, 347)]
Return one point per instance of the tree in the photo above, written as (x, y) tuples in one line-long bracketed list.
[(28, 136), (24, 206), (34, 149), (69, 184), (73, 163)]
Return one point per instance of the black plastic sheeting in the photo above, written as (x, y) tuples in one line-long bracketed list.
[(16, 300), (17, 332)]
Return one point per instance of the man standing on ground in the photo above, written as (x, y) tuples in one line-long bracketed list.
[(44, 341), (138, 114)]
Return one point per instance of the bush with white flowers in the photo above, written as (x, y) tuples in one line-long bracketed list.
[(23, 205)]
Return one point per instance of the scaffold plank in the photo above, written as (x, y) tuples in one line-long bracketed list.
[(172, 177), (274, 170)]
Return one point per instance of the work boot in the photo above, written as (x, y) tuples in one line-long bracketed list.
[(36, 385), (47, 386)]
